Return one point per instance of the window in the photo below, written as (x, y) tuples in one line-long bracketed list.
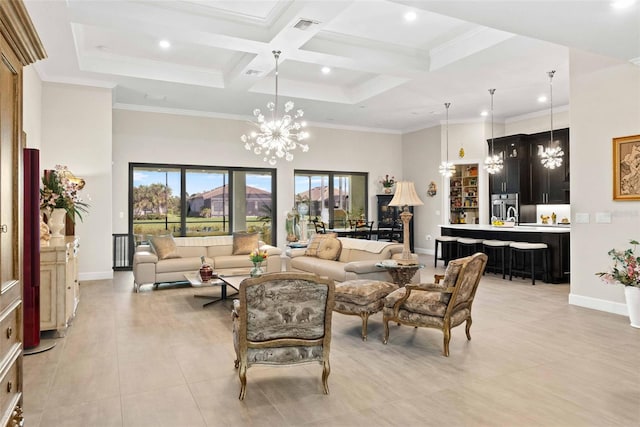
[(201, 201), (333, 197)]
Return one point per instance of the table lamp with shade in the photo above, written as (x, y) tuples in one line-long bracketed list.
[(406, 196)]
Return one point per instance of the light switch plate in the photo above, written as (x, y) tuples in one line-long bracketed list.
[(603, 217), (582, 218)]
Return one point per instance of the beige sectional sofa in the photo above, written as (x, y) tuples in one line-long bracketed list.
[(149, 268), (357, 259)]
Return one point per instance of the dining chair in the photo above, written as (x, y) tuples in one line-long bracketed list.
[(363, 230), (389, 233), (320, 227)]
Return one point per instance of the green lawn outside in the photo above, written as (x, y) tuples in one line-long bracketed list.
[(213, 226)]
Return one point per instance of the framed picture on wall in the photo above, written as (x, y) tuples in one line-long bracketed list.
[(626, 168)]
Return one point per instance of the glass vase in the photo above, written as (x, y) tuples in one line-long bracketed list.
[(256, 271)]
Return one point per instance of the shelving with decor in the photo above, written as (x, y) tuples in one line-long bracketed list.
[(463, 194)]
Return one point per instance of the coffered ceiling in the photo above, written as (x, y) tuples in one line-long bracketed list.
[(386, 73)]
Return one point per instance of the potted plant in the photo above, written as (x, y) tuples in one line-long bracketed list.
[(59, 197), (626, 271), (387, 183), (257, 256)]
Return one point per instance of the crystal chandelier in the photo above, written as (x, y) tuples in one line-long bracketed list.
[(551, 157), (276, 138), (446, 168), (493, 163)]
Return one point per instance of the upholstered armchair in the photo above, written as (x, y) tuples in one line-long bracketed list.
[(283, 319), (443, 305)]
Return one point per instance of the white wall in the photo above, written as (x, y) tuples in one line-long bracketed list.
[(76, 132), (538, 122), (421, 158), (605, 103), (146, 137), (32, 107)]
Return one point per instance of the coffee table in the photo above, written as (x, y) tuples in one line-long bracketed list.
[(223, 281)]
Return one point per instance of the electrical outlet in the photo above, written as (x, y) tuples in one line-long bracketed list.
[(429, 237)]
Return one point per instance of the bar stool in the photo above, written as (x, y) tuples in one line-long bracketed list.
[(528, 248), (468, 246), (448, 247), (494, 247)]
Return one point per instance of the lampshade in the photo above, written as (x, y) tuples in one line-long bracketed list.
[(405, 195)]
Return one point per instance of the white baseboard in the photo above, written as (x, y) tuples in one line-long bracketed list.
[(97, 275), (423, 251), (599, 304)]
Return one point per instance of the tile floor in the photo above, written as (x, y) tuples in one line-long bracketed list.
[(158, 358)]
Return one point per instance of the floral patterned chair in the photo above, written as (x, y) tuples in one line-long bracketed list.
[(283, 319), (438, 305)]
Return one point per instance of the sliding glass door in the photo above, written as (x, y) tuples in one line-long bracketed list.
[(156, 200), (201, 201), (333, 197), (207, 202)]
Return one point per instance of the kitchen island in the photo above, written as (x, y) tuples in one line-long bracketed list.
[(556, 237)]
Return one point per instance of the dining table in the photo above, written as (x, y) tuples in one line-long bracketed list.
[(349, 232)]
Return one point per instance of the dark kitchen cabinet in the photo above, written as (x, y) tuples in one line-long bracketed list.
[(549, 186), (513, 150)]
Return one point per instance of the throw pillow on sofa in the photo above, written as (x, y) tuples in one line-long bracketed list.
[(164, 246), (329, 248), (244, 243), (314, 244)]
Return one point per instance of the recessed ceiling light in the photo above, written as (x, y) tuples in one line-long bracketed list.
[(484, 113), (542, 98), (410, 16), (622, 4), (165, 44), (326, 70)]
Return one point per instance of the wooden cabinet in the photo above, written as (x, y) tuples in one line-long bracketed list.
[(59, 289), (463, 194), (513, 152), (549, 186), (390, 215), (19, 46)]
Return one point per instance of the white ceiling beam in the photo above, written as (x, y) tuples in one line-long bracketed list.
[(472, 42)]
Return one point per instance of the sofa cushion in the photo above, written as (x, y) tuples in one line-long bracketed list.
[(232, 261), (322, 267), (363, 250), (244, 243), (179, 264), (329, 248), (164, 246), (316, 240), (191, 251)]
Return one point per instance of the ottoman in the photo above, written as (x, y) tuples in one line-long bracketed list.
[(362, 298)]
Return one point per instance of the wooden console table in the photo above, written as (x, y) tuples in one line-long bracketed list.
[(59, 288)]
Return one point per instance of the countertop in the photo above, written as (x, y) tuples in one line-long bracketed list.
[(516, 229)]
